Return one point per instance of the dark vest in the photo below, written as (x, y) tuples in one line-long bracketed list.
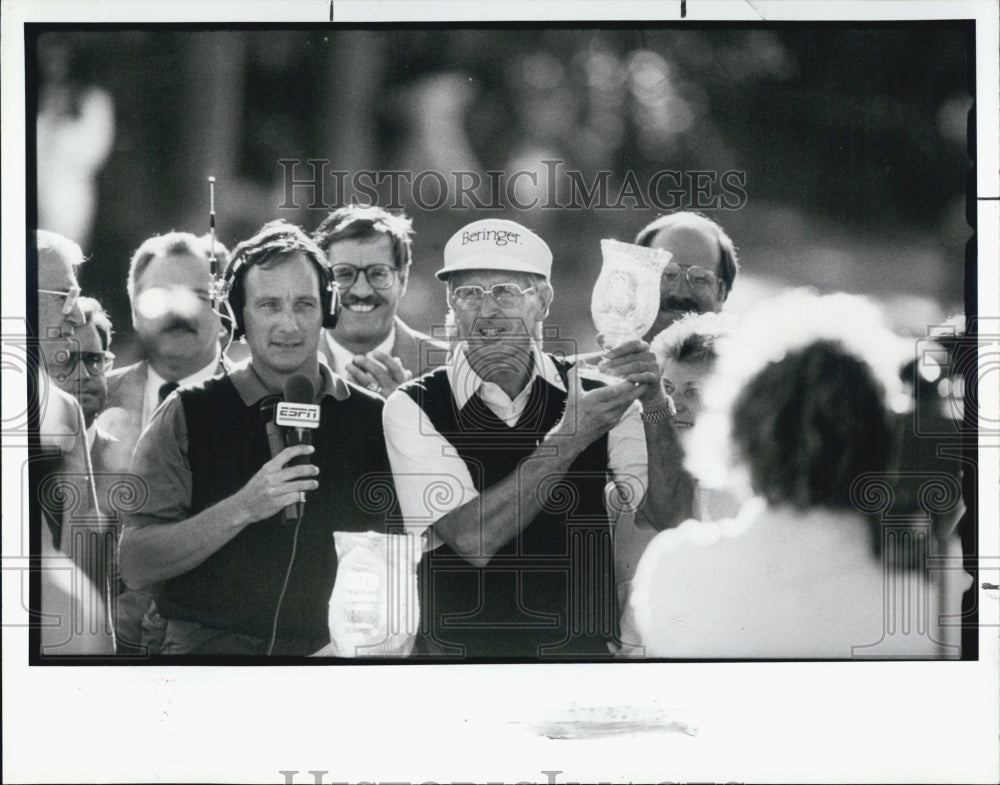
[(549, 592), (237, 587)]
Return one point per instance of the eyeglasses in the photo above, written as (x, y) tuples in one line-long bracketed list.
[(379, 276), (96, 363), (697, 277), (506, 295), (71, 297)]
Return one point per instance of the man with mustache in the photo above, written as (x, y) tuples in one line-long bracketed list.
[(169, 285), (370, 250), (702, 269)]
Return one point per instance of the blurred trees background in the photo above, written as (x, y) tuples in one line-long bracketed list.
[(851, 142)]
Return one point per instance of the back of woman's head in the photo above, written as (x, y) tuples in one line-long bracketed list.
[(799, 404), (806, 427)]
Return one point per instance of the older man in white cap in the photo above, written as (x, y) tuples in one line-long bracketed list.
[(503, 455)]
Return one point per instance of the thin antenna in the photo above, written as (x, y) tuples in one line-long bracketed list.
[(212, 259), (211, 223)]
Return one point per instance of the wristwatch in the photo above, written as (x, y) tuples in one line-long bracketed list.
[(660, 415), (663, 414)]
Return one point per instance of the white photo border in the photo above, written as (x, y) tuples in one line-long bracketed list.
[(818, 722)]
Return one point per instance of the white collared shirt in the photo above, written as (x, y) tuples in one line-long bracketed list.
[(432, 479), (342, 357), (465, 383), (151, 396)]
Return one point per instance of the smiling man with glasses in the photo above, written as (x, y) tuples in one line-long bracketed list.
[(370, 252), (702, 269), (502, 458)]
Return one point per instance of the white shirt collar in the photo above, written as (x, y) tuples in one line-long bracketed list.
[(91, 435), (465, 382), (342, 357), (154, 381)]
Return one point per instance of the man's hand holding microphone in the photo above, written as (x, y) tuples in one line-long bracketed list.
[(282, 482)]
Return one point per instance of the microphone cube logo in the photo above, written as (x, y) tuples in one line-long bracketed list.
[(297, 415)]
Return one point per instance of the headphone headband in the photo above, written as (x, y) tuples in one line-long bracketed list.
[(261, 249)]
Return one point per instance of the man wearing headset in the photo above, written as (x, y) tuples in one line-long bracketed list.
[(230, 573)]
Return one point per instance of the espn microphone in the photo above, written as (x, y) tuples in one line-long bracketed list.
[(300, 416)]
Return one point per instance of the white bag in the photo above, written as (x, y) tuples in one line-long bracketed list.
[(374, 607)]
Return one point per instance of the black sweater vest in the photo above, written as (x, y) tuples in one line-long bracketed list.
[(237, 587), (549, 592)]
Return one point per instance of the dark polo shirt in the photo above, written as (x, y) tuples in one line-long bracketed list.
[(204, 444)]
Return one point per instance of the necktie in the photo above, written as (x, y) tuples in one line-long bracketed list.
[(166, 389)]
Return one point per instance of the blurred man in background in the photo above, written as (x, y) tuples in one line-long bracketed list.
[(59, 314), (81, 370), (169, 286), (701, 270), (74, 586), (370, 250), (58, 292)]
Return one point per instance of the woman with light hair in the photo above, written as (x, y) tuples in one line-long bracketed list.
[(685, 353), (799, 410)]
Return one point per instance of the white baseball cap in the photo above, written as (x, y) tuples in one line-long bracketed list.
[(496, 244)]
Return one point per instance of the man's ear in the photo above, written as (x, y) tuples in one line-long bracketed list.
[(404, 279), (545, 296)]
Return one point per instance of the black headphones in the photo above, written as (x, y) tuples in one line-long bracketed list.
[(240, 264)]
